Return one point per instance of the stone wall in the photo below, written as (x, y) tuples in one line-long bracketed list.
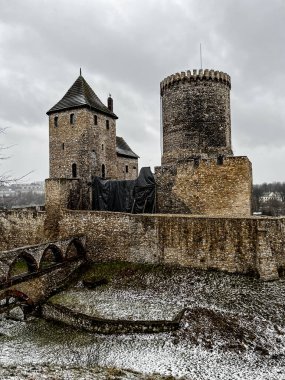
[(21, 227), (84, 143), (206, 187), (131, 163), (243, 245), (106, 326)]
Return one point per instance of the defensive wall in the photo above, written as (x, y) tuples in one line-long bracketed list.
[(243, 245), (21, 227), (209, 186)]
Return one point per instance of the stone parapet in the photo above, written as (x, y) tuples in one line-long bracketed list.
[(195, 75)]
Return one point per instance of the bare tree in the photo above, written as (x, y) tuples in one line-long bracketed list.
[(5, 177)]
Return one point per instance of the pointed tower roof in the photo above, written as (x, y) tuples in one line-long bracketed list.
[(81, 94)]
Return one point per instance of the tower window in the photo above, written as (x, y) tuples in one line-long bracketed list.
[(56, 121), (220, 160), (71, 118), (95, 120), (74, 170), (62, 146), (196, 162), (102, 146), (127, 169), (103, 171), (107, 124)]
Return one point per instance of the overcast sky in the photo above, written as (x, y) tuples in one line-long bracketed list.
[(126, 47)]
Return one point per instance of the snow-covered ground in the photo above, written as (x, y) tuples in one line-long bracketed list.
[(233, 328)]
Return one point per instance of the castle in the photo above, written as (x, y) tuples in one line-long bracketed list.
[(203, 192), (198, 174)]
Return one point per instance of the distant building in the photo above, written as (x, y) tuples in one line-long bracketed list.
[(270, 196)]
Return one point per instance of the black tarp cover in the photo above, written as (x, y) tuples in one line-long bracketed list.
[(135, 196)]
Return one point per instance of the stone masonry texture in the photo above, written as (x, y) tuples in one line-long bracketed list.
[(206, 188), (195, 115), (199, 174), (236, 245)]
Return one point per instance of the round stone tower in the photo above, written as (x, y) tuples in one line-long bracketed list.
[(196, 116)]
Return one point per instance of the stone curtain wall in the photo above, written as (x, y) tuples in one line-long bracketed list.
[(241, 245), (21, 227), (206, 187)]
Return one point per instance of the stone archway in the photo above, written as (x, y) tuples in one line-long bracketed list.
[(22, 265), (74, 249), (52, 255)]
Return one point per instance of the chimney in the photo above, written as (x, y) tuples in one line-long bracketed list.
[(110, 103)]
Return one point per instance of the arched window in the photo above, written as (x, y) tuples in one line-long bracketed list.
[(56, 121), (103, 171), (95, 120), (72, 118), (74, 171), (107, 124)]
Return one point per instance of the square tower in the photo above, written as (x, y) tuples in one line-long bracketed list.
[(82, 135)]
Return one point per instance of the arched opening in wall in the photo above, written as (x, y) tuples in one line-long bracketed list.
[(13, 298), (52, 255), (74, 249), (22, 265), (103, 171), (74, 170)]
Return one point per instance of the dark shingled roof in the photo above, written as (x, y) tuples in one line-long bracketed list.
[(123, 149), (81, 94)]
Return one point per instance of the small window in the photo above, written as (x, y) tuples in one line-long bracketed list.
[(107, 124), (134, 167), (220, 160), (74, 171), (127, 169), (102, 146), (103, 171), (56, 121), (196, 162), (62, 146), (95, 120), (72, 118)]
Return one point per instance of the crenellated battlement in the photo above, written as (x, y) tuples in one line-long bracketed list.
[(195, 75)]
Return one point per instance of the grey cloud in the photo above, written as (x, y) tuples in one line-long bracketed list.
[(127, 47)]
